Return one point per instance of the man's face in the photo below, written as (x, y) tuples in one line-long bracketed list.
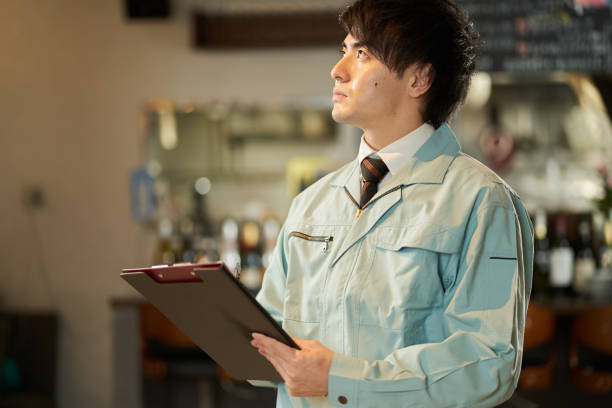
[(365, 90)]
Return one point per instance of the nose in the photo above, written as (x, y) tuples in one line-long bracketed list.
[(339, 72)]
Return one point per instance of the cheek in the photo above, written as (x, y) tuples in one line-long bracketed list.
[(389, 92), (369, 86)]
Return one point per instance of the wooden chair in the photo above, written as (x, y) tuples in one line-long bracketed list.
[(169, 357), (157, 329), (592, 334), (539, 349)]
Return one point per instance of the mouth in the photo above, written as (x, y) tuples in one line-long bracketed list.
[(338, 95)]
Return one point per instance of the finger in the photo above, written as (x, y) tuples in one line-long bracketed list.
[(255, 338), (271, 357), (259, 341), (274, 352), (261, 347), (277, 364), (273, 346)]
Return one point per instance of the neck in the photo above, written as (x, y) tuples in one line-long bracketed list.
[(385, 133)]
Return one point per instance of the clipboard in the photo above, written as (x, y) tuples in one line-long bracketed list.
[(212, 307)]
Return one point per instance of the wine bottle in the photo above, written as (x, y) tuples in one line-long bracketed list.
[(250, 248), (229, 246), (606, 252), (561, 261), (584, 269), (541, 264)]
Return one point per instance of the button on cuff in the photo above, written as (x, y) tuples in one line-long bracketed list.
[(344, 380)]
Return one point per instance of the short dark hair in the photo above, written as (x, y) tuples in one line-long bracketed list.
[(402, 32)]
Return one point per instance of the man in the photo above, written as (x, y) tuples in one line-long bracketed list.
[(404, 276)]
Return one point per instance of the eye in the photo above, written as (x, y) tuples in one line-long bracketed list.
[(361, 54)]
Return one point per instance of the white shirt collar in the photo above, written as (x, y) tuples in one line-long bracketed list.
[(397, 154)]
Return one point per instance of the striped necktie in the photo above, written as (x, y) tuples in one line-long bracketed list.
[(372, 171)]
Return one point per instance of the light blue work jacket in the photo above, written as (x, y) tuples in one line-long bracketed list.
[(422, 297)]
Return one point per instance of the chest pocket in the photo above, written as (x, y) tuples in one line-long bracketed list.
[(309, 256), (405, 282)]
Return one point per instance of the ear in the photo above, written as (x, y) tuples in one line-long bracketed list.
[(421, 78)]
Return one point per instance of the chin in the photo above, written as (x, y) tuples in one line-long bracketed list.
[(346, 119), (340, 117)]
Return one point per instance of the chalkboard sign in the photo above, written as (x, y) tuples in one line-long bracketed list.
[(543, 35)]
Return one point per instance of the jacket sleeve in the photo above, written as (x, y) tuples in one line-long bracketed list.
[(478, 362), (272, 293)]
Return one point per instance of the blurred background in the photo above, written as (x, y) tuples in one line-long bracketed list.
[(154, 132)]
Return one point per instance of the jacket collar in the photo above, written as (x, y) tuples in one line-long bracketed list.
[(428, 166)]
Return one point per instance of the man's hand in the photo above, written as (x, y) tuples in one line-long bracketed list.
[(304, 371)]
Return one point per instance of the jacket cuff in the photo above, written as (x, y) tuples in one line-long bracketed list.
[(343, 381)]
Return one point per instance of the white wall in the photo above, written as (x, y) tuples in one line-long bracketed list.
[(74, 76)]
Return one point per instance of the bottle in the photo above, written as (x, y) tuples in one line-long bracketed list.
[(561, 261), (250, 248), (202, 225), (165, 254), (584, 268), (229, 246), (541, 261), (187, 250), (606, 251), (251, 272)]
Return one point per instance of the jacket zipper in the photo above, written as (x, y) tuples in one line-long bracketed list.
[(320, 238), (375, 199)]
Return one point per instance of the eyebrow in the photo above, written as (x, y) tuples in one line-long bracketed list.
[(354, 44)]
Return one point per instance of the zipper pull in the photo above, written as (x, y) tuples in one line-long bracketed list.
[(326, 245)]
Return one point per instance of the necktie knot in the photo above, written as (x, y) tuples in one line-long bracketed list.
[(372, 170)]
